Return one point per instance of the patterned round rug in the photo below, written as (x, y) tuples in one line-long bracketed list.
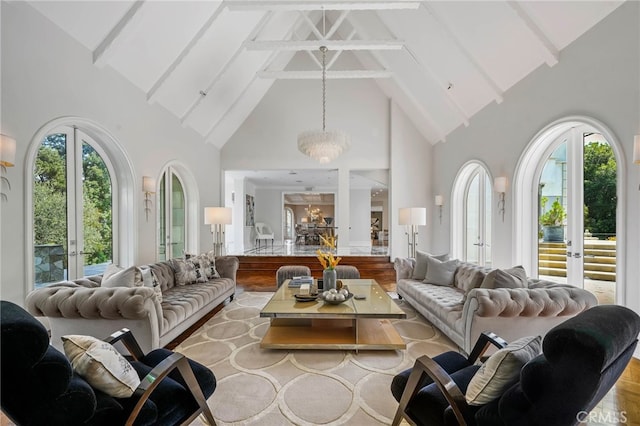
[(301, 387)]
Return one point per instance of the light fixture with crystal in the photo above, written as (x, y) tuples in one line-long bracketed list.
[(323, 145)]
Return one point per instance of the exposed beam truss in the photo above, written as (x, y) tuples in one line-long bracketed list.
[(151, 94), (301, 45), (283, 5), (550, 51), (331, 75), (107, 45), (258, 28), (497, 92)]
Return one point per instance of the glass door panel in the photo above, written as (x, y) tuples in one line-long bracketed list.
[(472, 229), (162, 221), (97, 203), (178, 228), (51, 258)]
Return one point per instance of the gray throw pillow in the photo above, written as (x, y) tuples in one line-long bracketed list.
[(440, 273), (420, 268), (501, 370), (515, 277), (114, 276)]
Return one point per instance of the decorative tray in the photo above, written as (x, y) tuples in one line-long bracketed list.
[(336, 302), (306, 297)]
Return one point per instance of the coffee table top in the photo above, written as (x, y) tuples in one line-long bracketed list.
[(377, 304)]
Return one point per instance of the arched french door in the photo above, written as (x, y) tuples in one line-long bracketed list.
[(567, 197), (471, 210), (73, 207), (172, 212)]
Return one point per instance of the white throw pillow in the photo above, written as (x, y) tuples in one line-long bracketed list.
[(501, 370), (114, 276), (101, 365), (420, 268), (150, 280), (440, 273), (515, 277)]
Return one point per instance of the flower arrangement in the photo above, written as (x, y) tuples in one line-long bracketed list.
[(327, 259)]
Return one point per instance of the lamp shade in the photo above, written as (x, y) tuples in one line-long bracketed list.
[(217, 215), (500, 184), (636, 149), (439, 200), (148, 185), (7, 151), (412, 216)]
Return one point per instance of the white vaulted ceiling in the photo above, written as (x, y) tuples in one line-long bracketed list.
[(211, 62)]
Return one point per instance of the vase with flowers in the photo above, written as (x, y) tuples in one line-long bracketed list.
[(329, 263)]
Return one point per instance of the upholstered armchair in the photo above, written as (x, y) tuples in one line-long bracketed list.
[(581, 360), (263, 232), (40, 386)]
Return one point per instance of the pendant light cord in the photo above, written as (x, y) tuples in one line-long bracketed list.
[(323, 49)]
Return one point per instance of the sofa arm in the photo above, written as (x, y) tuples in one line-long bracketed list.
[(227, 266), (525, 302), (404, 267), (94, 303)]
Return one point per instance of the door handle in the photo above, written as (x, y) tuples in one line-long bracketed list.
[(478, 244), (569, 254), (73, 253), (577, 255)]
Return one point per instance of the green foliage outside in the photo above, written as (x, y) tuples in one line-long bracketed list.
[(50, 201), (600, 171), (554, 216)]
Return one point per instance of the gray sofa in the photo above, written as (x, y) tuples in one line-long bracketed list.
[(462, 311), (84, 307)]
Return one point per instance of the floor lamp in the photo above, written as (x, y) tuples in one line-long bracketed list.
[(412, 217), (217, 217)]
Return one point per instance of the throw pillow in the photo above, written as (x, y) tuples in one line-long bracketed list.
[(420, 268), (184, 271), (212, 272), (501, 370), (515, 277), (199, 268), (114, 276), (101, 365), (149, 279), (440, 273)]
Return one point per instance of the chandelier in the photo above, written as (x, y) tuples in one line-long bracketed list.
[(322, 145)]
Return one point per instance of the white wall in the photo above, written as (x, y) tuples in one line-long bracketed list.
[(360, 217), (598, 76), (410, 178), (47, 75), (269, 210)]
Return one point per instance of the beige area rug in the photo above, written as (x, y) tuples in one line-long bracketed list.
[(307, 387)]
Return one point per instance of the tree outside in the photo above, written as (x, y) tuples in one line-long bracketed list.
[(600, 200), (50, 200)]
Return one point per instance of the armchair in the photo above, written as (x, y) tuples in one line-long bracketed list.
[(40, 387), (581, 360), (263, 232)]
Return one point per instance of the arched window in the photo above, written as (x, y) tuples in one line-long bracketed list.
[(471, 215), (79, 181), (567, 197), (289, 220), (178, 212), (172, 211)]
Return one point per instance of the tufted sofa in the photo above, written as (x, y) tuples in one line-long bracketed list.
[(84, 307), (463, 311)]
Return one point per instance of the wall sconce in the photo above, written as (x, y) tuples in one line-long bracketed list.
[(148, 187), (413, 217), (439, 204), (217, 217), (7, 159), (500, 186)]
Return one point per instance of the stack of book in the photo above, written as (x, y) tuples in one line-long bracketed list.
[(298, 281)]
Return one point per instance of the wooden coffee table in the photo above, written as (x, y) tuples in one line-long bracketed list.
[(352, 325)]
